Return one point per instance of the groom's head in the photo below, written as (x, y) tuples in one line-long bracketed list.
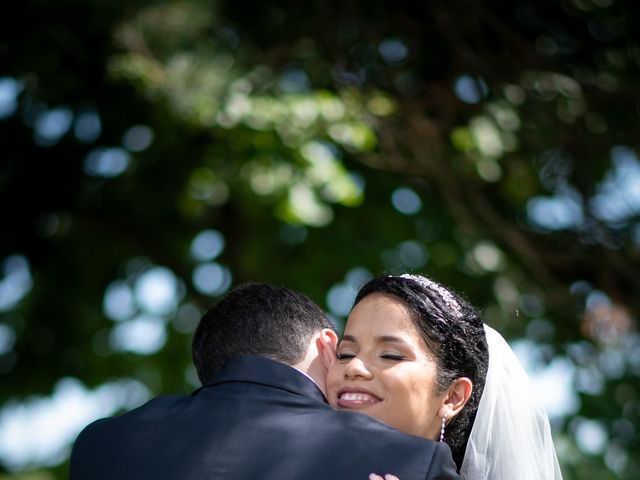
[(260, 319)]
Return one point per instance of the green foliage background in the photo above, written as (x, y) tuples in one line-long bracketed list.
[(288, 127)]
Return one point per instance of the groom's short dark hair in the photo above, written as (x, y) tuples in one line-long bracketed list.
[(258, 319)]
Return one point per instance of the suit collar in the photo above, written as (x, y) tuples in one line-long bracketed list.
[(260, 370)]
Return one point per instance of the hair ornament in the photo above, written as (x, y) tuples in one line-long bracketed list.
[(446, 295)]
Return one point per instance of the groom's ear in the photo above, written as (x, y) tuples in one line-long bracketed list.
[(327, 346), (457, 397)]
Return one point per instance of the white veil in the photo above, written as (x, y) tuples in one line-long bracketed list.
[(511, 436)]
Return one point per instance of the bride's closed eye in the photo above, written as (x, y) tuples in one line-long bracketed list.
[(345, 355), (396, 357), (393, 356)]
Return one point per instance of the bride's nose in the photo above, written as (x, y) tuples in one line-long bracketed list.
[(356, 368)]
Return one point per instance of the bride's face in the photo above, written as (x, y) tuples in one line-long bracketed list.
[(385, 370)]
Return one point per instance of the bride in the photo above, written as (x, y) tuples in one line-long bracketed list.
[(417, 356)]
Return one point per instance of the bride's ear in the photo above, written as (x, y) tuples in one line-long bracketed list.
[(458, 395), (327, 346)]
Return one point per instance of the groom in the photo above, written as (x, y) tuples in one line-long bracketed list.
[(261, 354)]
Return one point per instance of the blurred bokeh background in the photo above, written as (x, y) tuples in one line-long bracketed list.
[(155, 153)]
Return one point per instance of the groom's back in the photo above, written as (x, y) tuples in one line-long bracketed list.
[(258, 419)]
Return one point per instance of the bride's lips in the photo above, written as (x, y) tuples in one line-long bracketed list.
[(356, 398)]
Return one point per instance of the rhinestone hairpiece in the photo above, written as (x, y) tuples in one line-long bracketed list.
[(449, 299)]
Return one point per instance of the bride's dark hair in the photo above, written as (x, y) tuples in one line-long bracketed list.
[(453, 332)]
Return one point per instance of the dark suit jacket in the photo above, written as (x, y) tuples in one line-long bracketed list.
[(258, 419)]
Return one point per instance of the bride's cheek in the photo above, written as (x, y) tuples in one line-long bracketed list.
[(330, 386)]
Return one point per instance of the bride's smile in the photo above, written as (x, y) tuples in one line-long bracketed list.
[(355, 398)]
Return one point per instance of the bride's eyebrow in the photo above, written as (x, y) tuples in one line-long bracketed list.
[(379, 339), (348, 338), (390, 339)]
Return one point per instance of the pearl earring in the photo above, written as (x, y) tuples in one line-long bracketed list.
[(444, 417)]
